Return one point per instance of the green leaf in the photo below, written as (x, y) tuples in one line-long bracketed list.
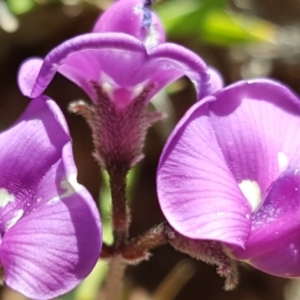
[(210, 22), (19, 7), (221, 27)]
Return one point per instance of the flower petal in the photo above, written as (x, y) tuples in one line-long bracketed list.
[(274, 242), (53, 238), (84, 58), (217, 81), (256, 146), (118, 60), (28, 149), (128, 16), (197, 192), (168, 62), (51, 226), (57, 242), (28, 74), (33, 143)]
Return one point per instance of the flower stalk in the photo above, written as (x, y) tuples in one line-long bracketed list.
[(113, 288), (120, 215), (137, 249)]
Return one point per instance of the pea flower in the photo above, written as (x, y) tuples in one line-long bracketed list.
[(121, 65), (230, 173), (50, 226), (117, 57)]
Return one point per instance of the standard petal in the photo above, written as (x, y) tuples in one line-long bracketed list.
[(197, 192), (118, 60), (89, 58), (128, 16), (58, 240), (257, 127), (274, 243), (168, 62)]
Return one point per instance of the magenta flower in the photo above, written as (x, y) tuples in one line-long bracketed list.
[(121, 66), (50, 227), (135, 18), (230, 172), (124, 56)]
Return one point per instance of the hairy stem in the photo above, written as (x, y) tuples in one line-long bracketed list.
[(114, 279), (210, 252), (120, 217), (137, 249)]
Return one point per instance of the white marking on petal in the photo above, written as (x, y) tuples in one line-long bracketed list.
[(70, 185), (107, 79), (283, 161), (137, 9), (53, 200), (252, 192), (17, 216), (137, 90), (5, 197), (108, 88), (152, 37)]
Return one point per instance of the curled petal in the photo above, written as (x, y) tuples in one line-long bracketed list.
[(52, 233), (128, 16), (274, 242), (168, 62), (82, 59), (197, 192), (256, 146), (118, 60)]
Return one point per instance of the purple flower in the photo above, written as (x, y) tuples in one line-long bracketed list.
[(122, 56), (121, 66), (133, 17), (230, 172), (50, 226)]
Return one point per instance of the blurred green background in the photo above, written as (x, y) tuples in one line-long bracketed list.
[(241, 38)]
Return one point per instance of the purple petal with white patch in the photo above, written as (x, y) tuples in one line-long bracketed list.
[(255, 145), (274, 242), (223, 160), (133, 17), (50, 226), (263, 155), (197, 192), (117, 62)]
